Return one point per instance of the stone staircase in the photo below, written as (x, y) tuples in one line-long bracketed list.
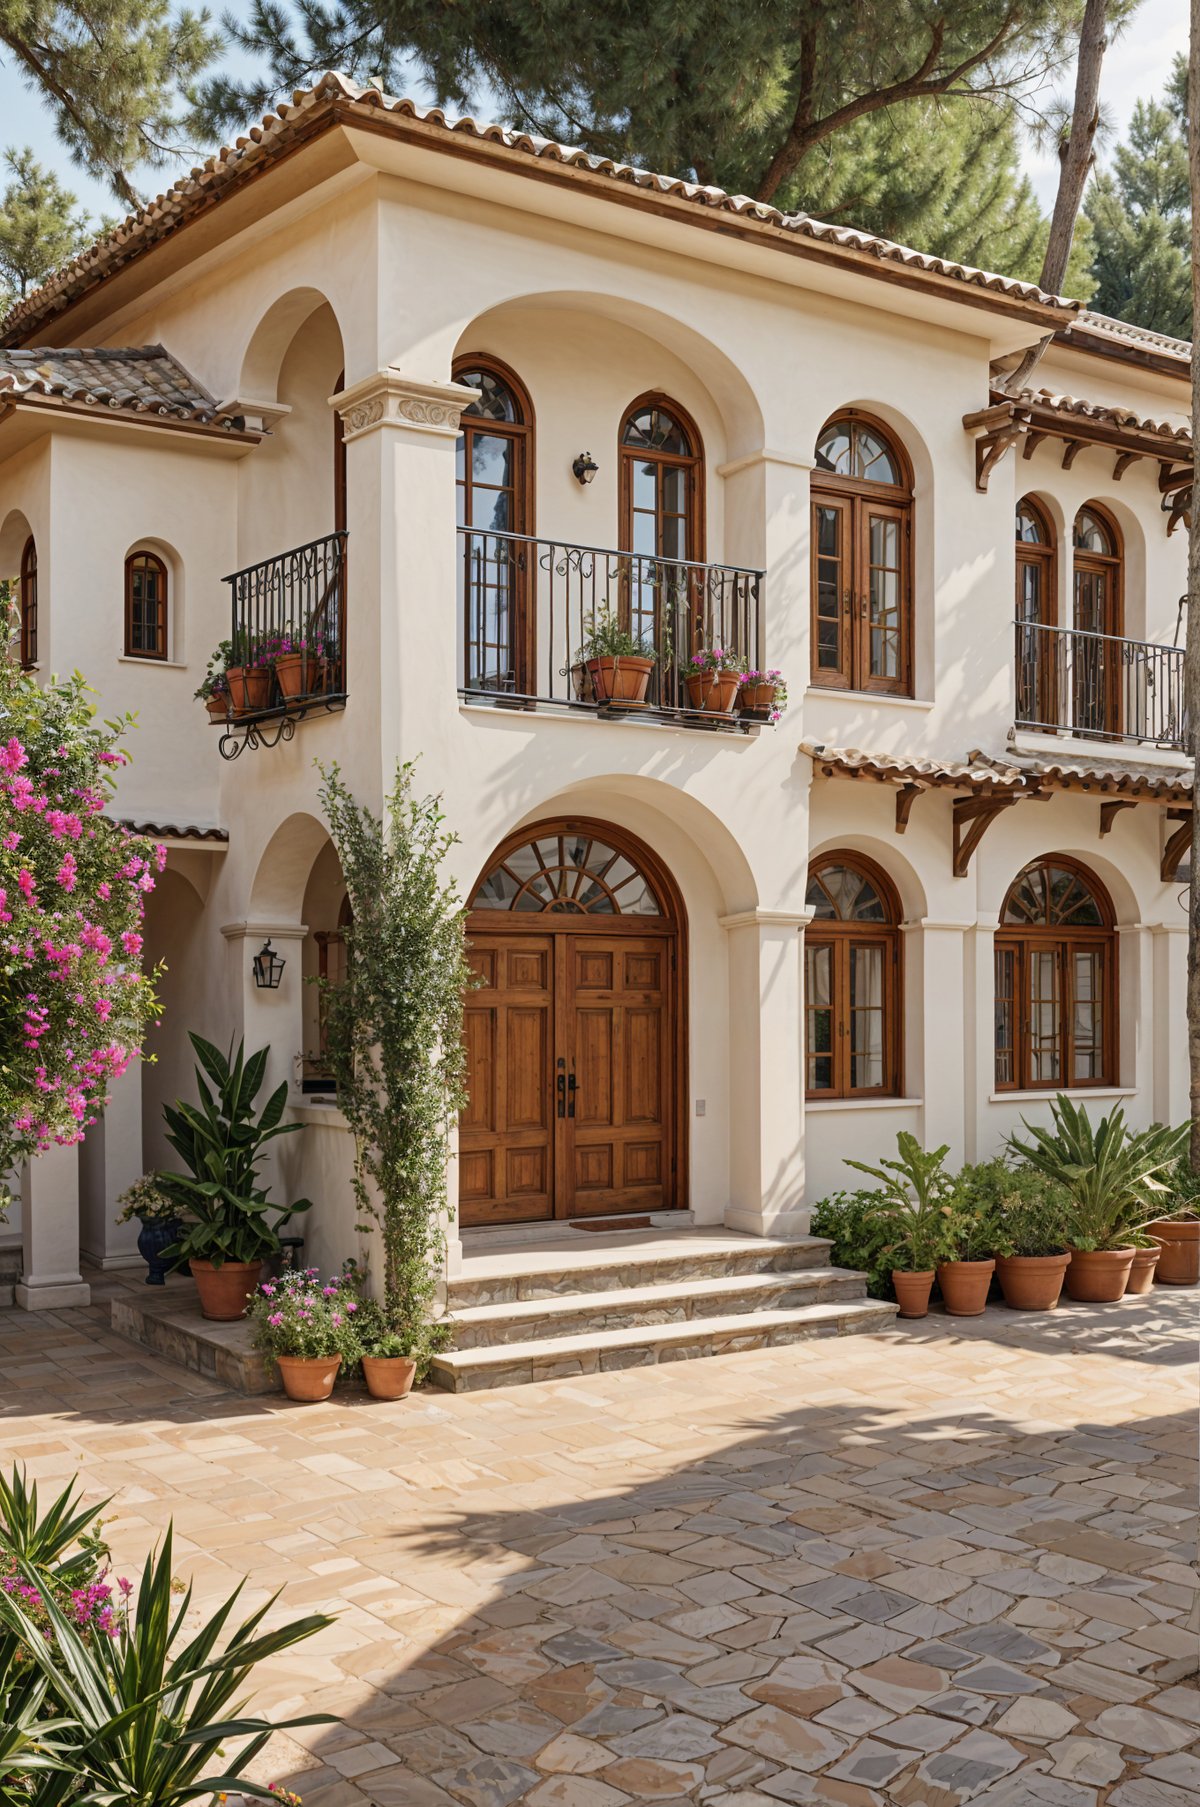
[(560, 1307)]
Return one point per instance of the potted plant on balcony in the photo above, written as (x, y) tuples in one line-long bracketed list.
[(763, 695), (308, 1328), (1177, 1231), (1113, 1180), (617, 662), (298, 660), (214, 691), (915, 1205), (159, 1219), (713, 677), (228, 1230)]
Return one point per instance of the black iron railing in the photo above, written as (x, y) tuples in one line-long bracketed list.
[(1099, 685), (528, 607), (288, 642)]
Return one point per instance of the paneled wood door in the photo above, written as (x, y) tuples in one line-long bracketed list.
[(506, 1134)]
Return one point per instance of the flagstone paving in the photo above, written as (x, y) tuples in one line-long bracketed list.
[(946, 1562)]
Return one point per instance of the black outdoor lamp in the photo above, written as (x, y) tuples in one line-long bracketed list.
[(267, 968), (585, 468)]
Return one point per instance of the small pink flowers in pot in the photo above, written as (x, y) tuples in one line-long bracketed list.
[(713, 677)]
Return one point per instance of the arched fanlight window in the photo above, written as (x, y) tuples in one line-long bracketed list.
[(1056, 963), (495, 511), (1036, 613), (1098, 612), (29, 603), (145, 606), (662, 511), (862, 558), (851, 980), (572, 873)]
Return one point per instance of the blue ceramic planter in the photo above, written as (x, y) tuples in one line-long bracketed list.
[(153, 1238)]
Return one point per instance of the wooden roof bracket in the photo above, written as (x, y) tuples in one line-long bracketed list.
[(1033, 440), (1111, 810), (996, 428), (906, 796), (1177, 844), (973, 816), (1071, 451), (1122, 463)]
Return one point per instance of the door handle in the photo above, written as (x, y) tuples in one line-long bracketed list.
[(561, 1087), (571, 1094)]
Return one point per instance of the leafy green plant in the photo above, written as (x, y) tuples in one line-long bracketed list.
[(417, 1343), (146, 1201), (916, 1192), (856, 1225), (1183, 1185), (65, 1538), (1113, 1176), (605, 638), (302, 1314), (221, 1144)]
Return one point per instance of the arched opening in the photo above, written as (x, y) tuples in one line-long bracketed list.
[(853, 1032), (146, 605), (494, 478), (28, 598), (173, 933), (661, 500), (862, 496), (1056, 979), (326, 914), (1036, 616), (1098, 621), (575, 1035)]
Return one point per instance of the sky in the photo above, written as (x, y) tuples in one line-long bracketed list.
[(1135, 68)]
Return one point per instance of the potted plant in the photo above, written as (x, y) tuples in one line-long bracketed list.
[(915, 1206), (965, 1276), (213, 692), (298, 659), (1111, 1176), (763, 695), (618, 663), (227, 1232), (1147, 1254), (1031, 1238), (160, 1224), (1177, 1232), (394, 1357), (307, 1327), (713, 677)]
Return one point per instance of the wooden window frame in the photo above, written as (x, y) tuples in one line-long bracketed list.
[(695, 484), (28, 603), (859, 497), (1110, 565), (142, 555), (1065, 941), (1042, 557), (523, 434), (841, 937)]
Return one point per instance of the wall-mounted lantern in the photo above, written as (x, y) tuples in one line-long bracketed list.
[(585, 468), (267, 968)]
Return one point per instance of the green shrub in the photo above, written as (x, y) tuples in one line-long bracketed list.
[(1113, 1176), (915, 1191), (855, 1224)]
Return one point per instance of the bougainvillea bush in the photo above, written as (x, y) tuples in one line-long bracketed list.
[(74, 1001)]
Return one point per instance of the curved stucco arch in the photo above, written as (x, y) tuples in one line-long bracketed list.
[(15, 531), (1133, 557), (284, 867), (271, 338), (914, 902)]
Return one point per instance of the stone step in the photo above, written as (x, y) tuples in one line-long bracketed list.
[(519, 1275), (642, 1345), (722, 1295)]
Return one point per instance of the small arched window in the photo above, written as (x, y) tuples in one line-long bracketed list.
[(862, 558), (145, 606), (1056, 964), (1036, 613), (29, 603), (1098, 612), (495, 503), (662, 513), (851, 981), (572, 873)]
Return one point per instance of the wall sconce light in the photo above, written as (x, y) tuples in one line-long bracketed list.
[(585, 468), (267, 968)]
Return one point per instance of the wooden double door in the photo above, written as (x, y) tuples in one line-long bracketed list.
[(571, 1073)]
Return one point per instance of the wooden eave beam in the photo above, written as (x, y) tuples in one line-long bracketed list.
[(1173, 477)]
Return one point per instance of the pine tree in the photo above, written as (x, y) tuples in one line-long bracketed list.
[(1141, 219), (40, 226), (111, 73)]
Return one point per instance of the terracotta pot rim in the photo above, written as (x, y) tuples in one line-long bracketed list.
[(1153, 1254), (915, 1273), (234, 1267), (1042, 1260), (634, 659), (308, 1361), (1120, 1254), (988, 1261), (1175, 1229)]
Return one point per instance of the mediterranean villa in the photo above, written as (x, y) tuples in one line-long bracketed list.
[(437, 399)]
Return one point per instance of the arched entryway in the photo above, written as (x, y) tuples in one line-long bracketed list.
[(575, 1051)]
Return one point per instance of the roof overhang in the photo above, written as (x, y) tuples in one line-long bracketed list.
[(26, 419)]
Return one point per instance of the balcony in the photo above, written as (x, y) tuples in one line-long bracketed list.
[(288, 640), (528, 605), (1098, 686)]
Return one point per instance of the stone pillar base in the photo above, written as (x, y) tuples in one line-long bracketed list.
[(51, 1295), (793, 1222)]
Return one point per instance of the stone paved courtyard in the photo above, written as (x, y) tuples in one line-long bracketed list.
[(949, 1561)]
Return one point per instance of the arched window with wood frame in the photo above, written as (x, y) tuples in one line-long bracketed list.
[(145, 606), (851, 980), (1036, 615), (1056, 980), (1098, 620), (495, 517), (28, 599), (862, 491), (662, 520)]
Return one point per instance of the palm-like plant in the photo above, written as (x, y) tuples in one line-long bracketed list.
[(221, 1145), (916, 1203), (1111, 1174)]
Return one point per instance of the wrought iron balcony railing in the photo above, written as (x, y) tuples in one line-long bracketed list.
[(528, 606), (288, 640), (1099, 686)]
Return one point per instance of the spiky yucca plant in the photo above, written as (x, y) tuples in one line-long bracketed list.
[(1112, 1175)]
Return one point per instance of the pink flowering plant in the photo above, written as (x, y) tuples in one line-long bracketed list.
[(778, 683), (74, 1002), (301, 1313), (711, 659)]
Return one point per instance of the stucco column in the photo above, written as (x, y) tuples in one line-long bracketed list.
[(110, 1159), (936, 1057), (50, 1277), (766, 1091), (1172, 1081), (1135, 988), (979, 1065)]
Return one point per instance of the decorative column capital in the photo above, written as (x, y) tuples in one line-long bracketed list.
[(391, 399)]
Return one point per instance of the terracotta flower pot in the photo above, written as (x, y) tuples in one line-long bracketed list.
[(388, 1376), (1141, 1274), (295, 674), (1099, 1276), (224, 1290), (965, 1286), (308, 1377), (620, 680), (1031, 1282), (581, 684), (1179, 1239), (912, 1291), (218, 707), (757, 699), (249, 687), (713, 691)]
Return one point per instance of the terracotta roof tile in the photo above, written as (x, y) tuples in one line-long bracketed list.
[(171, 831), (1110, 416), (1017, 772), (141, 380), (1123, 332)]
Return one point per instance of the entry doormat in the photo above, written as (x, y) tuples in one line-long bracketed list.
[(614, 1223)]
